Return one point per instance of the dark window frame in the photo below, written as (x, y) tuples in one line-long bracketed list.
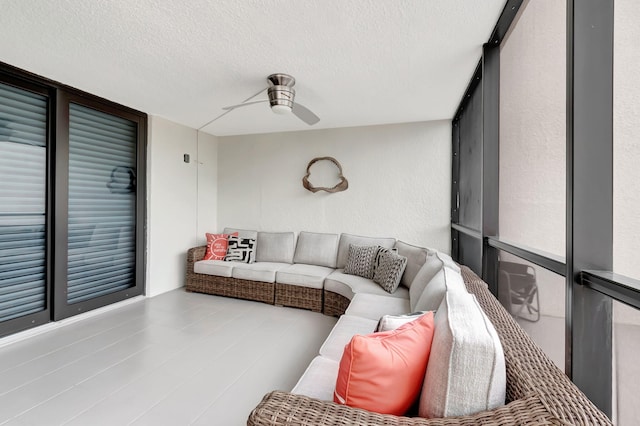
[(589, 292)]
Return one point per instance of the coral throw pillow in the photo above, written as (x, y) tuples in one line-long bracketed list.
[(217, 246), (383, 372)]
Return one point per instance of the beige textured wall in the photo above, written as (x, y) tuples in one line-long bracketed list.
[(399, 182)]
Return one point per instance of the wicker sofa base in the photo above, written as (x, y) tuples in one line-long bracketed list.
[(334, 304), (296, 296), (232, 287)]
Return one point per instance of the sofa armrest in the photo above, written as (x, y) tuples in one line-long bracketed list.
[(193, 255), (283, 408), (196, 253)]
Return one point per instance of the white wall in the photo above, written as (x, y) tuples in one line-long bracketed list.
[(399, 182), (180, 197)]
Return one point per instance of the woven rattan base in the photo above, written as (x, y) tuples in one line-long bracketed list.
[(299, 297), (232, 287), (334, 304)]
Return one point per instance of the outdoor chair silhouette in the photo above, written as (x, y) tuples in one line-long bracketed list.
[(518, 290)]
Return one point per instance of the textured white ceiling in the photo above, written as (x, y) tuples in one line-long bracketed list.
[(356, 62)]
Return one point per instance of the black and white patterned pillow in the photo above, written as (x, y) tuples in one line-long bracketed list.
[(389, 273), (381, 250), (241, 250), (360, 260)]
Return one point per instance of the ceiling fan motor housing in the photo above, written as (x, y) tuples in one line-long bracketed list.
[(281, 92), (281, 95)]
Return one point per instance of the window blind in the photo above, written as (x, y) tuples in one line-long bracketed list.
[(102, 179), (23, 167)]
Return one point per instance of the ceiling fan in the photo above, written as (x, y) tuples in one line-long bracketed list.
[(281, 99)]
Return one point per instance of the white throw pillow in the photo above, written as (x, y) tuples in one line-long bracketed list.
[(391, 322), (466, 371)]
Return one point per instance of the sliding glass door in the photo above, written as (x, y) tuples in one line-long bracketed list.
[(102, 210), (98, 256), (23, 206), (72, 201)]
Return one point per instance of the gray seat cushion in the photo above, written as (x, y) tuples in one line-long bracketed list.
[(350, 285), (275, 247), (319, 380), (303, 275), (259, 271), (374, 306), (219, 268), (316, 249), (357, 240), (346, 327)]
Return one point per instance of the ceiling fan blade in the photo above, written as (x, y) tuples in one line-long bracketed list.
[(228, 108), (305, 114), (228, 111)]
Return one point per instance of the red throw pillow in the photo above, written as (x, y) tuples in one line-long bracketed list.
[(383, 372), (217, 246)]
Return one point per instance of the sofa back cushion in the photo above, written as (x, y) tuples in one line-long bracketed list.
[(316, 249), (242, 233), (466, 372), (356, 240), (435, 290), (416, 256), (429, 269), (275, 247)]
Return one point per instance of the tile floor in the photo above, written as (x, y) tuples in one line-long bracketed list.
[(175, 359)]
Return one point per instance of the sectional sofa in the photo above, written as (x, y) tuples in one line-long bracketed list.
[(311, 275), (304, 272)]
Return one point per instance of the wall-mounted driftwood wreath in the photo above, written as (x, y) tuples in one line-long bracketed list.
[(341, 186)]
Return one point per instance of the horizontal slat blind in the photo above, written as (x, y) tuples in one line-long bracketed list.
[(23, 124), (102, 161)]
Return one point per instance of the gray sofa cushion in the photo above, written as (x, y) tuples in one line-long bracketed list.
[(311, 276), (316, 249), (416, 256), (374, 306), (445, 280), (347, 239), (219, 268), (242, 233), (349, 285), (261, 271), (319, 380), (343, 331), (429, 270), (448, 261), (275, 247)]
